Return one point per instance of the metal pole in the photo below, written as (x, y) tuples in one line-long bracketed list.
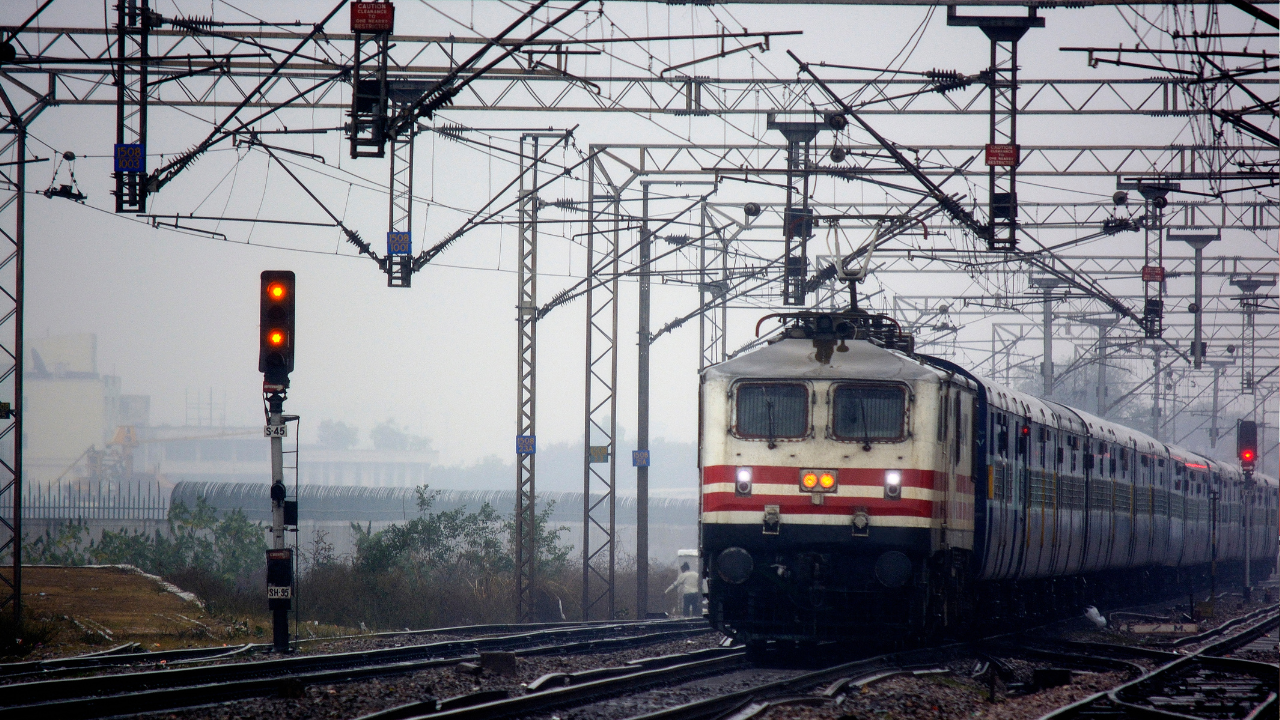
[(1248, 511), (642, 419), (20, 235), (275, 419), (1213, 525), (526, 391)]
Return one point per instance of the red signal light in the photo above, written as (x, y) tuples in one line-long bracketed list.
[(1246, 456)]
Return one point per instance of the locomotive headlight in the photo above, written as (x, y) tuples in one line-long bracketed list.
[(827, 481), (893, 484), (742, 482), (809, 480)]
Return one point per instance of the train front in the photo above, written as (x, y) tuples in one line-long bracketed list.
[(818, 462)]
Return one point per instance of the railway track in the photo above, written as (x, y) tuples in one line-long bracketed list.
[(1203, 684), (132, 654), (588, 687), (603, 688), (135, 692)]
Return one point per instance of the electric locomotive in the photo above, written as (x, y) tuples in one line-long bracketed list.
[(852, 486)]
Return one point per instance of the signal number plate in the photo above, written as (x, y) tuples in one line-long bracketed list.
[(279, 593), (275, 431)]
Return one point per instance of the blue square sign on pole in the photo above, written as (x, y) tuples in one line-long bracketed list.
[(526, 444), (640, 458), (398, 243), (131, 158)]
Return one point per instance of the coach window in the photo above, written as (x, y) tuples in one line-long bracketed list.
[(868, 413), (1002, 435), (773, 410)]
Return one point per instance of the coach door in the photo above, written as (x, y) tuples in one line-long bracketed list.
[(1021, 503)]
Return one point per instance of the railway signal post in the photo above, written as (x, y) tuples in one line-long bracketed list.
[(275, 362), (1247, 452)]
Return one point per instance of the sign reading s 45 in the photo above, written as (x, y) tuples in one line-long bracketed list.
[(271, 431)]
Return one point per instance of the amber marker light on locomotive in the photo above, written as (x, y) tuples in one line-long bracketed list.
[(827, 481), (809, 480), (893, 484)]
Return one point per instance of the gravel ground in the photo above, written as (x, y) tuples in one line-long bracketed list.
[(658, 698), (349, 700), (945, 697)]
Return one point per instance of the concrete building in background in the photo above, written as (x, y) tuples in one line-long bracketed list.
[(72, 411)]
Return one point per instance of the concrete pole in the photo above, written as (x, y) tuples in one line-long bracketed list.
[(1197, 243), (1046, 284), (1214, 430), (1047, 369), (1155, 397), (1102, 370), (642, 412)]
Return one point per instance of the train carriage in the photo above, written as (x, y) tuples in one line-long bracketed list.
[(849, 484)]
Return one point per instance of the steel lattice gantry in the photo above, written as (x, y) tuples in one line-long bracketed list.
[(14, 122), (134, 23), (604, 227), (526, 379)]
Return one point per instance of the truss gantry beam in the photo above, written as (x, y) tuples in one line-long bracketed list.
[(1226, 214), (185, 75)]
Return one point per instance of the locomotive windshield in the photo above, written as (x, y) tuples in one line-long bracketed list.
[(773, 410), (868, 412)]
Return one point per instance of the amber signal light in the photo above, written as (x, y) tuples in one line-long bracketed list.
[(818, 480)]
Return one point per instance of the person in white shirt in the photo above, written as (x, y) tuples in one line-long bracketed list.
[(688, 583)]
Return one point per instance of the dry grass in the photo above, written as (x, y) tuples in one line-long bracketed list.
[(92, 608)]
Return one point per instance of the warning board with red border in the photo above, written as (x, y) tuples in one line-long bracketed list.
[(372, 16), (1006, 155)]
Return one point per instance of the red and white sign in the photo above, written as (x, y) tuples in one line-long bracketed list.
[(1002, 155), (1152, 273), (372, 16)]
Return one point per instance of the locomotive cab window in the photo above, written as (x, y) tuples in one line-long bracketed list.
[(772, 410), (868, 413)]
